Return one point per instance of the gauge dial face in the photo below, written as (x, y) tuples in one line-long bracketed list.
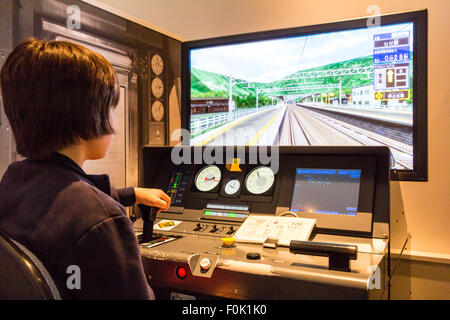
[(157, 87), (208, 178), (157, 64), (232, 186), (157, 110), (259, 180)]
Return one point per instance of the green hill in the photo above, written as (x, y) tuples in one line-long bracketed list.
[(209, 84)]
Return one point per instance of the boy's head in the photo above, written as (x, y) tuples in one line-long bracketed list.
[(56, 94)]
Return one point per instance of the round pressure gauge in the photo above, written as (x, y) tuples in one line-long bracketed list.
[(157, 64), (157, 110), (259, 180), (157, 87), (232, 186), (208, 178)]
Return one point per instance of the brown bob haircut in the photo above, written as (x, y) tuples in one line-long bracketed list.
[(56, 92)]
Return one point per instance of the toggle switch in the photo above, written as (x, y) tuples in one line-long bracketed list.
[(231, 230)]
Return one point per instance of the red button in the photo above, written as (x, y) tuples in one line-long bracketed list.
[(181, 272)]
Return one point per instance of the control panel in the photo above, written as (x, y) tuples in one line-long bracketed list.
[(336, 190), (341, 190)]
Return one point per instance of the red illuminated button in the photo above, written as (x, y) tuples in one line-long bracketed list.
[(181, 272)]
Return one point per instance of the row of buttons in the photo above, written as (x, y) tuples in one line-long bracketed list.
[(177, 187), (214, 229), (205, 265)]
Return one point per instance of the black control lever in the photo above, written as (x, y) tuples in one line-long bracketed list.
[(339, 254), (148, 218)]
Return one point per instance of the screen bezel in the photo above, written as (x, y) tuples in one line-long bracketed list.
[(420, 56)]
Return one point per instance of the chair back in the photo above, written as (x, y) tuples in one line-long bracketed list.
[(22, 274)]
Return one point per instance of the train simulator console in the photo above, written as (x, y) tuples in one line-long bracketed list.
[(255, 223)]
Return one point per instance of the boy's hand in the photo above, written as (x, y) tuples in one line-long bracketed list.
[(152, 198)]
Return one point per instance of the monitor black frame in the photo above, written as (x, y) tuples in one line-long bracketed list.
[(420, 74)]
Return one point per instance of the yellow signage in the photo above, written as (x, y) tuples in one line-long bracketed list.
[(392, 95), (378, 95)]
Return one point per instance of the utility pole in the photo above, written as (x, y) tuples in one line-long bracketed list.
[(257, 92)]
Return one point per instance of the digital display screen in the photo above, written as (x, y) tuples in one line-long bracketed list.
[(227, 206), (213, 213), (350, 87), (328, 191)]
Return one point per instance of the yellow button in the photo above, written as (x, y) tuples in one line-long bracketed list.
[(228, 242)]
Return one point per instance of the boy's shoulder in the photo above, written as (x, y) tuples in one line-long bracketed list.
[(48, 207), (87, 197), (60, 188)]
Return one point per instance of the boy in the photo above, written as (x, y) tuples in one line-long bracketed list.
[(58, 97)]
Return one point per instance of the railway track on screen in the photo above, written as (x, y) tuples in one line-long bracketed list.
[(302, 126)]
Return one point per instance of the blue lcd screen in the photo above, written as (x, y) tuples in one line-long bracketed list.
[(328, 191)]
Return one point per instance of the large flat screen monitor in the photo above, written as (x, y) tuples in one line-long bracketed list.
[(349, 83)]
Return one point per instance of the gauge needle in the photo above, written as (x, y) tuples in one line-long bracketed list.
[(211, 180)]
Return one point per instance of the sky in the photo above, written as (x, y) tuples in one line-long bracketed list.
[(270, 60)]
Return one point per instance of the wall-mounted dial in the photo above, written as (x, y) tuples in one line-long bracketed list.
[(157, 111), (157, 87), (232, 186), (157, 64), (259, 180)]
